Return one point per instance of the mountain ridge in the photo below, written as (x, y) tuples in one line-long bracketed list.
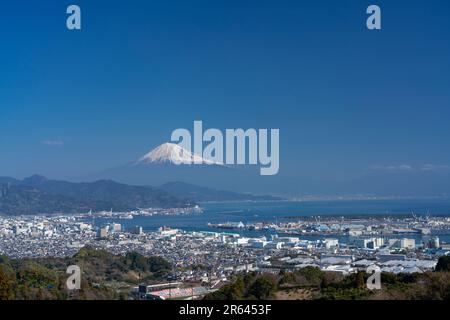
[(174, 154), (205, 194), (37, 195)]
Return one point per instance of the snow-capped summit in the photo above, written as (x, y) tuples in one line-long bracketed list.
[(173, 154)]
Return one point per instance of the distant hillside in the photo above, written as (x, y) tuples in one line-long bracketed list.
[(24, 200), (125, 196), (203, 194), (39, 195), (9, 181)]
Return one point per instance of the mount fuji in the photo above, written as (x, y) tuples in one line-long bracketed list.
[(170, 153), (169, 162)]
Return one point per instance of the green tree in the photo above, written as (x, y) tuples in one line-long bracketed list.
[(360, 282), (263, 288), (6, 286), (443, 264)]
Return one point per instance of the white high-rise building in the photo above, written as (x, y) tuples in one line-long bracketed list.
[(116, 227), (331, 243), (407, 243)]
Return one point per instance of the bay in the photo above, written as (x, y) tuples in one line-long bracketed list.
[(278, 211)]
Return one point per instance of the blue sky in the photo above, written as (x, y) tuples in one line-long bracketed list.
[(346, 99)]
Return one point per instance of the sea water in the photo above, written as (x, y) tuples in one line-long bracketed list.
[(279, 211)]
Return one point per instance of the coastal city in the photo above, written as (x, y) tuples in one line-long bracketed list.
[(342, 244)]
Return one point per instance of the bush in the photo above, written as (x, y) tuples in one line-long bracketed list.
[(443, 264), (6, 286), (263, 288)]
